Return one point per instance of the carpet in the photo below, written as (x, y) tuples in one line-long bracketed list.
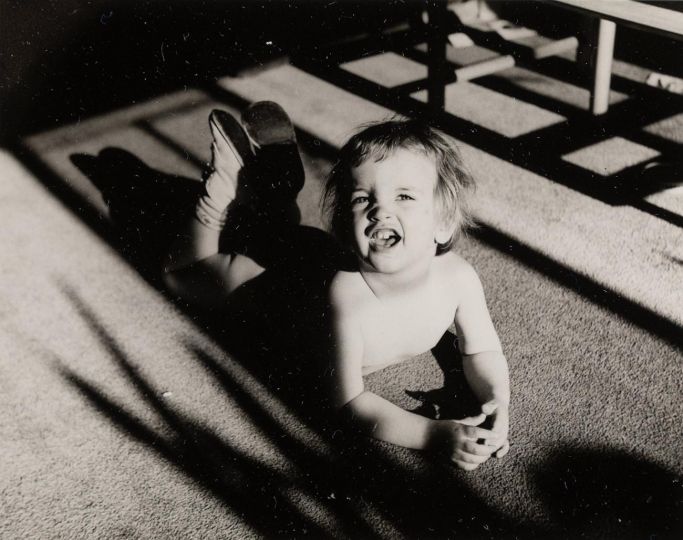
[(126, 414)]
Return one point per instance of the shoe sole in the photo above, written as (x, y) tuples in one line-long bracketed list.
[(267, 123)]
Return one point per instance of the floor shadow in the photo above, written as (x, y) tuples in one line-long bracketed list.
[(592, 493), (146, 206), (95, 57), (597, 293), (455, 398), (255, 491)]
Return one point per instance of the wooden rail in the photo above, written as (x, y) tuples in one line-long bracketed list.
[(638, 15)]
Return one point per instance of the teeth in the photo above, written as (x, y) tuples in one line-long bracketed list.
[(383, 235)]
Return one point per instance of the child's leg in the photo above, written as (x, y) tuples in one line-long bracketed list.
[(267, 226), (194, 268)]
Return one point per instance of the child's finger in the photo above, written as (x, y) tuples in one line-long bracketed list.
[(472, 420), (489, 407), (465, 466), (472, 447), (496, 442), (466, 457), (476, 433), (503, 450), (500, 428)]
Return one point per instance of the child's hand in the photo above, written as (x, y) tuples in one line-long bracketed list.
[(500, 420), (466, 444)]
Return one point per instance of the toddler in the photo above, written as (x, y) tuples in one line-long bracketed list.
[(398, 197)]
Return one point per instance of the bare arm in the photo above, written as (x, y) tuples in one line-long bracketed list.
[(375, 416), (381, 419), (487, 374), (484, 364)]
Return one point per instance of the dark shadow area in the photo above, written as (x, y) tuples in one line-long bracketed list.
[(66, 61), (242, 483), (69, 60), (147, 206), (593, 493), (454, 399)]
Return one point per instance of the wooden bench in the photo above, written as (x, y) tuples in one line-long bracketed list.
[(646, 17), (637, 15)]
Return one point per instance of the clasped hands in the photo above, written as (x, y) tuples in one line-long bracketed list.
[(467, 444)]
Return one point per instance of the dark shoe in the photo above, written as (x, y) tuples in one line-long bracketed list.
[(268, 123), (263, 227), (276, 175)]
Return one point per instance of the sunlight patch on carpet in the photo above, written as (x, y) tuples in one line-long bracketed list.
[(503, 114), (670, 128), (388, 69), (611, 156)]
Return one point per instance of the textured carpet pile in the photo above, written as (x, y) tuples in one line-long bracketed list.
[(122, 414)]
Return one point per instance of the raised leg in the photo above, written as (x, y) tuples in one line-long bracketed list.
[(260, 173), (195, 269)]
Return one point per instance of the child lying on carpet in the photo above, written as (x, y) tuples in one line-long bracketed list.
[(398, 196)]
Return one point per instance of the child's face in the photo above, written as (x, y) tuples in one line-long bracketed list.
[(395, 215)]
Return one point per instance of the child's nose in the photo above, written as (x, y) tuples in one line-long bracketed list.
[(379, 212)]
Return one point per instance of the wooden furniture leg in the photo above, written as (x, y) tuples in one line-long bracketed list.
[(603, 67), (436, 51)]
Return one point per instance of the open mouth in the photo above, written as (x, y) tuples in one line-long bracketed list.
[(384, 238)]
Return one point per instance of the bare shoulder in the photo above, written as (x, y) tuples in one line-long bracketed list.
[(457, 271), (347, 291)]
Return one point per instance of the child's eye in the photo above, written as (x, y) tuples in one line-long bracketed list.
[(361, 199), (405, 197)]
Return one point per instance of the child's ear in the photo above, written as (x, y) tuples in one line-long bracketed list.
[(445, 231)]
